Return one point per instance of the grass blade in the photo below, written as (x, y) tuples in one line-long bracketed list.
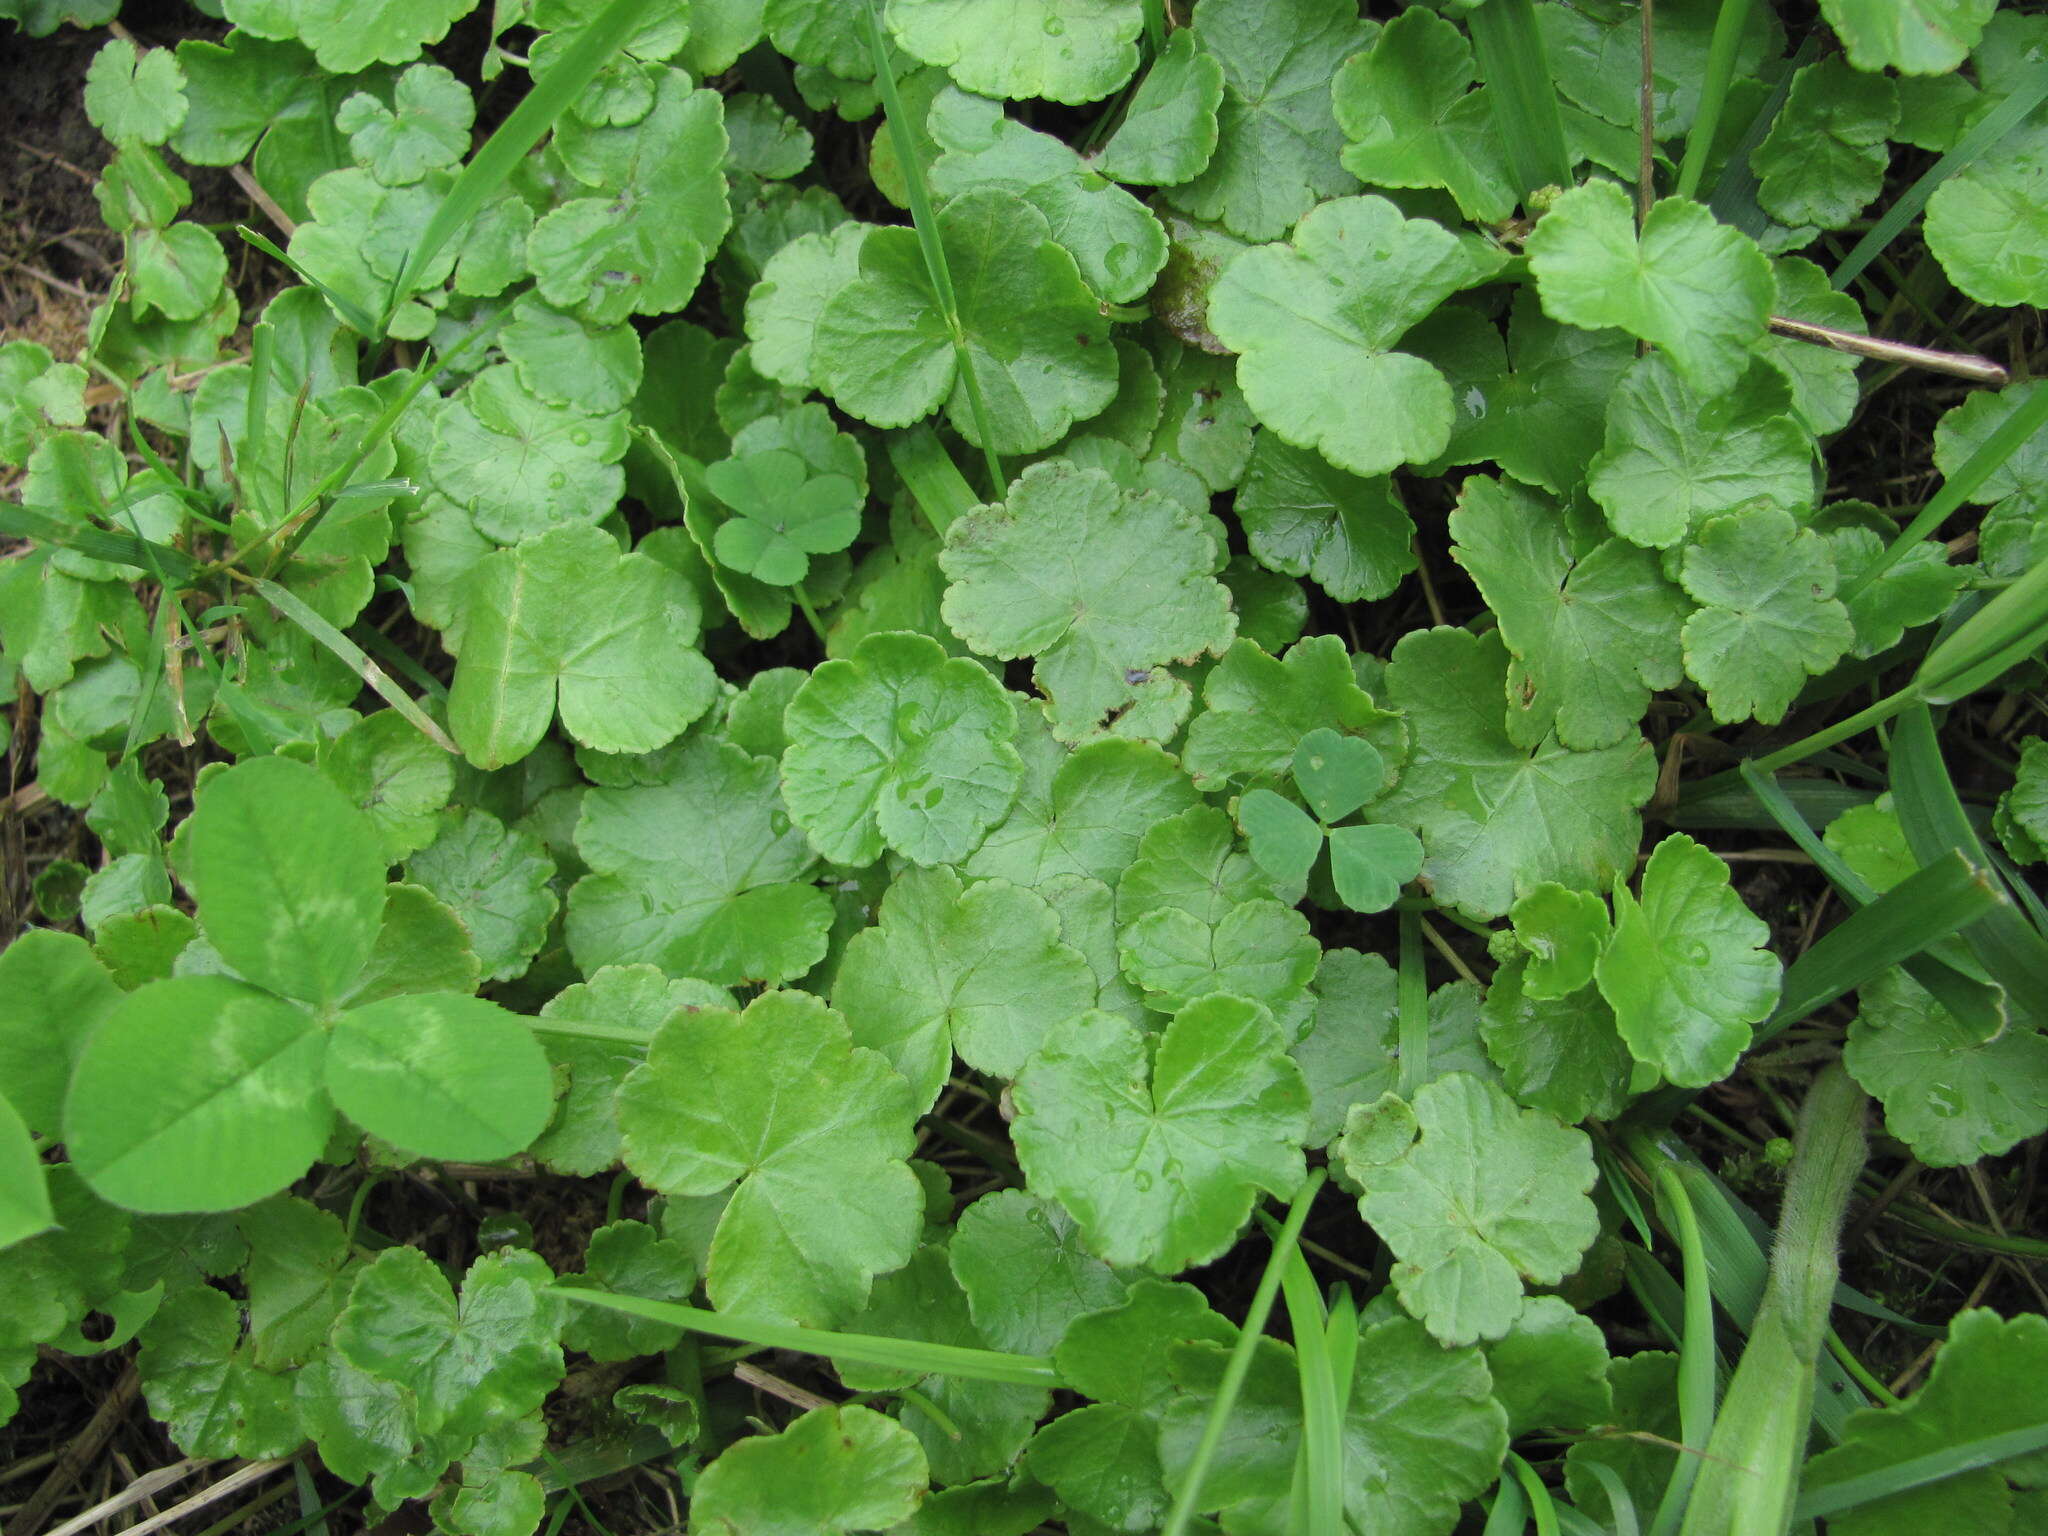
[(528, 123), (864, 1349), (1322, 1410), (1696, 1342), (1510, 1513), (1918, 1471), (1699, 142), (1240, 1363), (121, 548), (1541, 1505), (1984, 135), (295, 609), (1751, 1472), (1516, 68), (1990, 642), (928, 242), (936, 484)]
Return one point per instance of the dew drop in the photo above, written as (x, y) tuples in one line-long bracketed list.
[(557, 480), (1475, 403), (1054, 27), (1694, 952), (580, 436), (778, 823), (1142, 1180)]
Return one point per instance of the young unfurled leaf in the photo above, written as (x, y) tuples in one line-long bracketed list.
[(1688, 283), (812, 1129), (1278, 144), (1305, 517), (564, 620), (784, 515), (1489, 1193), (1686, 970), (833, 1470), (1593, 634), (727, 908), (1768, 616), (980, 970), (1564, 932), (1169, 130), (135, 96), (1949, 1095), (1040, 344), (1069, 51), (1496, 820), (1159, 1146), (1097, 584), (899, 745), (1259, 709), (1315, 322)]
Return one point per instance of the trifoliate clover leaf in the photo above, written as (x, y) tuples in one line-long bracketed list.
[(1098, 585), (1675, 459), (833, 1470), (1115, 241), (1169, 129), (564, 620), (981, 971), (1278, 144), (1561, 1054), (1694, 287), (1949, 1095), (52, 995), (497, 880), (1284, 840), (199, 1379), (1986, 1383), (2021, 819), (1258, 949), (1768, 616), (1329, 307), (785, 306), (426, 127), (812, 1129), (638, 245), (1069, 51), (1369, 864), (1420, 1431), (1686, 970), (1026, 1276), (784, 515), (1259, 708), (665, 890), (1489, 1194), (1080, 813), (1158, 1147), (1496, 820), (132, 96), (1987, 228), (899, 745), (521, 465), (467, 1365), (1413, 120), (1826, 154), (1336, 774), (1592, 636), (633, 999), (1563, 931), (1915, 37), (1036, 334), (1305, 517)]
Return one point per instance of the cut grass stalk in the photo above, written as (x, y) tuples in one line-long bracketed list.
[(1240, 1363), (1516, 68), (864, 1349), (1751, 1473), (926, 225)]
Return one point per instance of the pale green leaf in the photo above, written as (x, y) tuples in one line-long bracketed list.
[(832, 1470), (1768, 616)]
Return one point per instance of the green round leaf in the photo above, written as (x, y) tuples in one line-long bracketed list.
[(835, 1469), (1069, 51), (130, 95)]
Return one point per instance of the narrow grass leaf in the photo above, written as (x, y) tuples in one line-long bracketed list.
[(936, 484), (1516, 68), (1322, 1410), (1917, 1471), (359, 319), (1713, 92), (122, 548), (379, 681)]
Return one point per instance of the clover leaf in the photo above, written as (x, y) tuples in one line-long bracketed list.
[(1159, 1147), (1277, 145), (1686, 970), (564, 620), (1488, 1193), (1768, 616), (1497, 819), (1037, 337), (832, 1470), (1948, 1094), (899, 745), (784, 515), (1069, 51), (1676, 458), (725, 908), (522, 465), (1303, 516), (1169, 130), (1689, 284), (52, 995), (981, 970), (1259, 708), (1099, 585), (1370, 863), (1592, 633), (1330, 307), (813, 1132), (132, 96)]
